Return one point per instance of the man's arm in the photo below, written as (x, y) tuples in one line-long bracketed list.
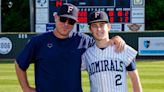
[(119, 42), (135, 80), (22, 77)]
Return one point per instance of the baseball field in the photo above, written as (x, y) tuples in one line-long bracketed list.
[(151, 74)]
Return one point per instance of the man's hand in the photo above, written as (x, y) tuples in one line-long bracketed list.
[(119, 42), (30, 89)]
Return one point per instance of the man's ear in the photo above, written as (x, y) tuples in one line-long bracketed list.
[(56, 17)]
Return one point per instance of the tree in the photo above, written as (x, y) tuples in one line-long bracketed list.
[(15, 16), (154, 15)]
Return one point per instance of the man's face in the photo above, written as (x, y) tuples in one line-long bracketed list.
[(100, 30), (64, 25)]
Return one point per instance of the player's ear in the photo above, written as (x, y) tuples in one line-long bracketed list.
[(109, 26), (90, 28)]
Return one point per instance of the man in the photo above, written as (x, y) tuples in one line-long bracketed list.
[(56, 55), (106, 68)]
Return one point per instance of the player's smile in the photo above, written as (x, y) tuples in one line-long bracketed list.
[(100, 33), (99, 29)]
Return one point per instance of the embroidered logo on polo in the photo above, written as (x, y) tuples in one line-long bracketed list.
[(49, 45)]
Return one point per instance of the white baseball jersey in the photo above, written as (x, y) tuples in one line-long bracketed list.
[(107, 69)]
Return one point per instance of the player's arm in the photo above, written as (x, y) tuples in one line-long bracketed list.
[(119, 42), (135, 81), (22, 77), (83, 63), (134, 77)]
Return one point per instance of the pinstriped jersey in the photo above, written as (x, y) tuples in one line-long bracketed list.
[(107, 69)]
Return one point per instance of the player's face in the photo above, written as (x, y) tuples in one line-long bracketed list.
[(100, 30), (64, 25)]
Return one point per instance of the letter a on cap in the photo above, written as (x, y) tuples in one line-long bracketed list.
[(70, 8), (97, 14)]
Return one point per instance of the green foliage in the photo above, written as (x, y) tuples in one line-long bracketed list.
[(16, 18), (154, 12)]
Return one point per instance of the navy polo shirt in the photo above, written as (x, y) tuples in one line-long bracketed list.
[(57, 61)]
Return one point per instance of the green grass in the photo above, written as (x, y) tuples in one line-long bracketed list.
[(151, 74)]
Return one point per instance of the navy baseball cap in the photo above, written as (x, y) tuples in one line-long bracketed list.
[(97, 16), (68, 10)]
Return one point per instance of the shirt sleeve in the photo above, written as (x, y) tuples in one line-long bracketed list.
[(86, 41), (26, 55), (131, 66), (91, 42), (130, 54), (83, 63)]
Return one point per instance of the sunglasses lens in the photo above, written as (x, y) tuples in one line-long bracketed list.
[(70, 21), (63, 19)]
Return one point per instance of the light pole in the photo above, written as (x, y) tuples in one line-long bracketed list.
[(32, 25), (0, 18)]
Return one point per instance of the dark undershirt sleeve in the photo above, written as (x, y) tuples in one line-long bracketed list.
[(131, 66)]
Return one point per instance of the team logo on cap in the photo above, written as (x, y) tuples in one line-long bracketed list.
[(97, 14), (70, 9)]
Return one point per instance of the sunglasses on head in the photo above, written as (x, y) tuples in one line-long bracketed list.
[(70, 21)]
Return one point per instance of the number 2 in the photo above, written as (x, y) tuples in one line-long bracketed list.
[(118, 80)]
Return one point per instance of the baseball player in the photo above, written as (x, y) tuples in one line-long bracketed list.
[(56, 55), (106, 68)]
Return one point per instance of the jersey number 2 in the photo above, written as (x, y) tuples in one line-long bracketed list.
[(118, 80)]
